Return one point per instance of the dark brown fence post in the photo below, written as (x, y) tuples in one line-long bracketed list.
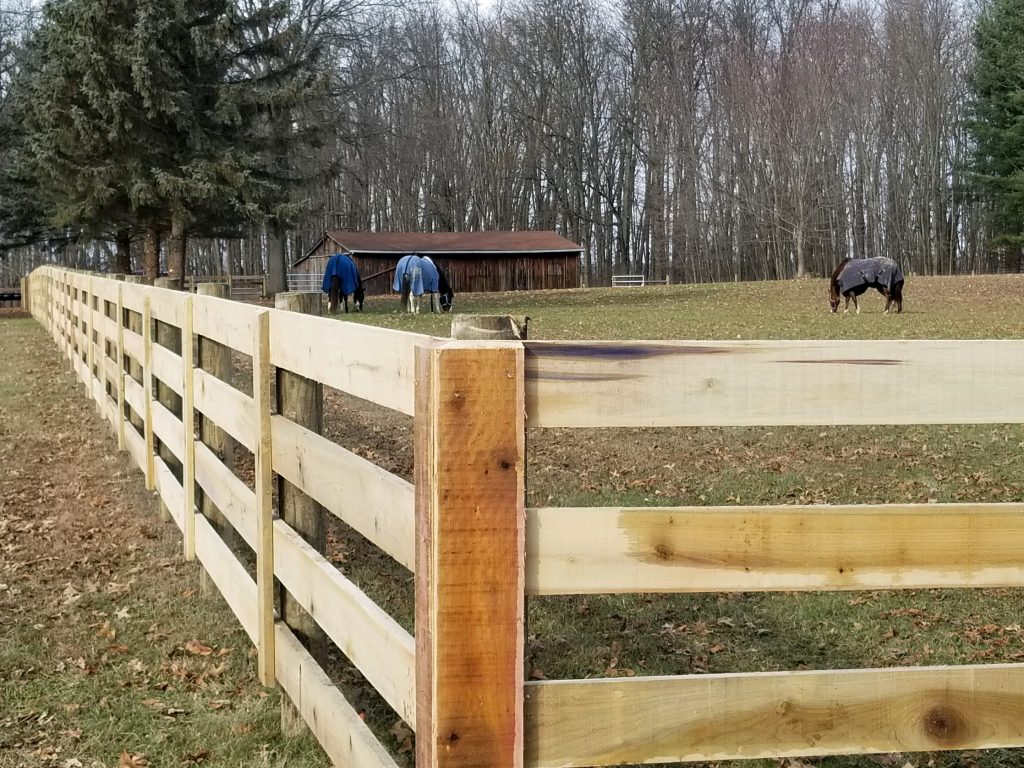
[(300, 400)]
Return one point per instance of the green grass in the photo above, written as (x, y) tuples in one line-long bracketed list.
[(591, 636), (936, 307), (109, 653), (612, 635)]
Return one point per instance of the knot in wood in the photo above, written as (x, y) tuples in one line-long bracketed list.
[(944, 724)]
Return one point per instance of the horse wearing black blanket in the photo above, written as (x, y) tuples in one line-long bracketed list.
[(852, 277)]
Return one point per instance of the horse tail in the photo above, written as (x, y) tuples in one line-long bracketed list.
[(406, 288)]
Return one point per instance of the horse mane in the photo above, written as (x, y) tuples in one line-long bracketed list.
[(833, 283), (839, 269)]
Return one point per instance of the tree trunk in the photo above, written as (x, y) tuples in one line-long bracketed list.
[(151, 255), (123, 257), (176, 245), (277, 259)]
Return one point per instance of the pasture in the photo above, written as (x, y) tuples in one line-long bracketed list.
[(602, 636), (640, 635)]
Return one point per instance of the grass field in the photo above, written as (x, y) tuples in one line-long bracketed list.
[(110, 655), (42, 681), (593, 636)]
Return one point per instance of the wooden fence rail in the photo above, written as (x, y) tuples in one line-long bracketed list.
[(476, 552)]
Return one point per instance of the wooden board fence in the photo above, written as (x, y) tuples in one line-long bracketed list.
[(476, 552), (88, 316)]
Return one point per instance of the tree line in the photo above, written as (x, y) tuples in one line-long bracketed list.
[(691, 139)]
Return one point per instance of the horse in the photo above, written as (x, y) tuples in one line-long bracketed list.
[(852, 277), (416, 275), (341, 279), (446, 295)]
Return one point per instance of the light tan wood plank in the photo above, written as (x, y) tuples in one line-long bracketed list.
[(111, 412), (230, 495), (375, 364), (170, 491), (133, 296), (230, 576), (112, 368), (136, 445), (105, 288), (135, 396), (228, 322), (233, 411), (379, 505), (121, 373), (470, 560), (704, 383), (107, 329), (166, 304), (168, 367), (335, 724), (778, 714), (262, 395), (169, 429), (373, 641), (188, 417), (728, 549), (147, 383), (99, 391), (133, 346)]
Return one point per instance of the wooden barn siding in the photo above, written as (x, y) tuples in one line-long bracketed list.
[(468, 274)]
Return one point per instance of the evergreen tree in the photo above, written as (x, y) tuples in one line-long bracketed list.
[(997, 119), (159, 114)]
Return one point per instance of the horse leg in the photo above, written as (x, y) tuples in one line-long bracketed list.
[(434, 304), (856, 306), (344, 300)]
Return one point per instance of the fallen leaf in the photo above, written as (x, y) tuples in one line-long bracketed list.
[(132, 760), (194, 758), (197, 648)]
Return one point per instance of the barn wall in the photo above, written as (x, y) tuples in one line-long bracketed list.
[(467, 273), (513, 273)]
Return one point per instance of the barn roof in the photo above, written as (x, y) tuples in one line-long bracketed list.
[(476, 243)]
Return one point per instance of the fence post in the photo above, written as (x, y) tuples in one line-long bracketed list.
[(95, 367), (119, 309), (188, 421), (147, 387), (470, 558), (26, 303), (133, 322), (300, 400), (215, 358), (169, 337), (262, 380)]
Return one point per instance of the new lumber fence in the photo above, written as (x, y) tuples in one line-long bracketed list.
[(477, 552)]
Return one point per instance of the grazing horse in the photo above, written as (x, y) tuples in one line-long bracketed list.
[(445, 293), (416, 275), (341, 280), (852, 277)]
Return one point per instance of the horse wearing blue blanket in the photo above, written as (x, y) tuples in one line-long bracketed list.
[(341, 280), (416, 275)]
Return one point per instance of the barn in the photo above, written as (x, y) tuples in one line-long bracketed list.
[(473, 261)]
